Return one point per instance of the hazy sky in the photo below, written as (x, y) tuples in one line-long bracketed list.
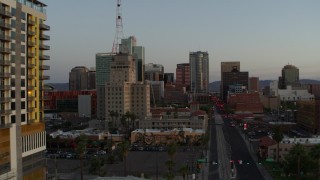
[(263, 35)]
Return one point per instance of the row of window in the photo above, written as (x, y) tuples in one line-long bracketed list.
[(13, 118)]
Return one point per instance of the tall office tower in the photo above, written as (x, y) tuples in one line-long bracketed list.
[(78, 78), (92, 78), (129, 46), (234, 78), (183, 75), (168, 78), (227, 67), (123, 92), (103, 61), (199, 71), (22, 129), (290, 77), (154, 72), (254, 84)]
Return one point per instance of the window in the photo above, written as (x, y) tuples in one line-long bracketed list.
[(23, 82), (23, 48), (13, 82), (23, 71), (23, 15), (13, 35), (13, 11), (13, 94), (13, 119), (23, 94), (13, 105), (23, 105), (23, 117)]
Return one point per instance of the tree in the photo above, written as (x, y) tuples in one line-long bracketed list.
[(315, 154), (297, 161), (172, 149), (81, 148), (124, 150), (96, 164), (277, 136), (112, 115), (184, 171)]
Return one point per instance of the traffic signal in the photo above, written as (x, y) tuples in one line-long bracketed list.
[(245, 126)]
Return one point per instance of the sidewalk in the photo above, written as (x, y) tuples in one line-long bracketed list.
[(261, 168)]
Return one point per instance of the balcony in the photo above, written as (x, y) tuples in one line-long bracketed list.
[(31, 98), (5, 99), (31, 33), (31, 22), (44, 57), (4, 62), (30, 88), (44, 77), (5, 111), (31, 65), (4, 75), (5, 25), (5, 13), (44, 27), (5, 38), (5, 50), (31, 44), (44, 47), (4, 87), (5, 126), (30, 77), (44, 37), (30, 109), (31, 55), (44, 67)]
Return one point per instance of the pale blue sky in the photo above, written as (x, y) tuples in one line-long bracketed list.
[(263, 35)]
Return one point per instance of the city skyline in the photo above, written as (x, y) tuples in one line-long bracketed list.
[(263, 36)]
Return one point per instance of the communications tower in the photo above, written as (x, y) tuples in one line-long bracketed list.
[(119, 28)]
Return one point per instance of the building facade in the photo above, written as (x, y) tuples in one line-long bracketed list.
[(78, 78), (154, 72), (234, 77), (227, 67), (129, 46), (199, 71), (183, 75), (123, 92), (22, 64), (168, 78), (308, 116), (254, 84), (290, 77), (103, 61)]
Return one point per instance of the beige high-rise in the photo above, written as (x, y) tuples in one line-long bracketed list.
[(123, 92)]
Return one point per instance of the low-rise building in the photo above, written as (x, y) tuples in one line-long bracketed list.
[(164, 137), (308, 116), (268, 147), (246, 102)]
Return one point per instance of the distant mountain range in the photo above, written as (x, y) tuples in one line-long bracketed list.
[(213, 86)]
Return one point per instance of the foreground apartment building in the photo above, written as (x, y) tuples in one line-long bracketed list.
[(22, 55)]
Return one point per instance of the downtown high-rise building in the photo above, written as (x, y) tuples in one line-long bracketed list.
[(183, 75), (227, 67), (22, 64), (154, 72), (81, 78), (123, 92), (103, 62), (234, 80), (289, 77), (199, 72), (129, 46)]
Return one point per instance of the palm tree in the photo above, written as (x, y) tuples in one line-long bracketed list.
[(184, 171), (172, 149), (116, 115), (111, 114), (277, 136), (124, 150), (315, 154), (81, 148)]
